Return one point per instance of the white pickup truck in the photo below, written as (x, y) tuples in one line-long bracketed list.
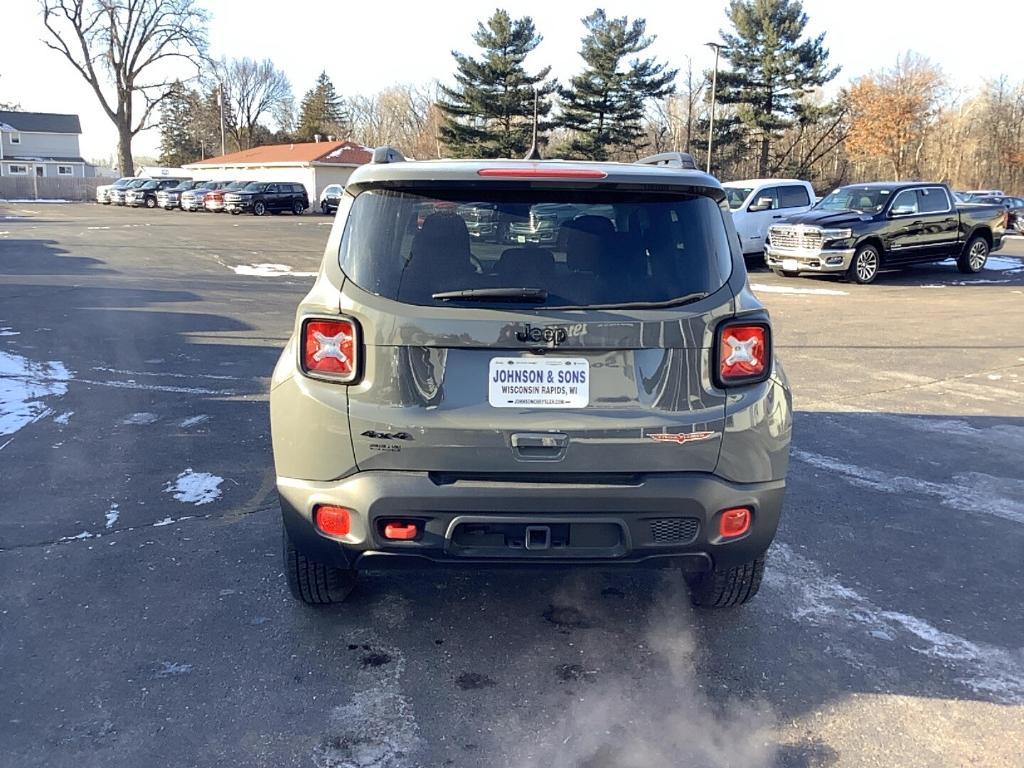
[(758, 203)]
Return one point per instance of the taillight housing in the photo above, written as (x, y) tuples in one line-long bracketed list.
[(743, 353), (329, 349)]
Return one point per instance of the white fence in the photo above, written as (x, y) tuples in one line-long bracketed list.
[(49, 188)]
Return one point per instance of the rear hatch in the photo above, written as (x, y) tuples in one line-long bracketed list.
[(588, 355)]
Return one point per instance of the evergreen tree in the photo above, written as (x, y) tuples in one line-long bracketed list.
[(489, 111), (771, 67), (321, 112), (179, 141), (604, 105)]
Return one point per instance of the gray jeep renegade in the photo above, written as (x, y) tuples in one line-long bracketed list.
[(607, 397)]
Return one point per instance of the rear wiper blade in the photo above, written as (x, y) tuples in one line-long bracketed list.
[(667, 304), (493, 294)]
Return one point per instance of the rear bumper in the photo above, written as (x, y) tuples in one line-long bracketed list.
[(599, 523), (823, 261)]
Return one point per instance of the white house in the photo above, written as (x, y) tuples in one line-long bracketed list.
[(42, 144), (313, 164)]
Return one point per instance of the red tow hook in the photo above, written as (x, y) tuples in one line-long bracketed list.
[(401, 531)]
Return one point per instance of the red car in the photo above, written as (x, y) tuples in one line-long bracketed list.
[(214, 200)]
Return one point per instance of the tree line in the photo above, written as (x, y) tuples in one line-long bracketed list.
[(773, 115)]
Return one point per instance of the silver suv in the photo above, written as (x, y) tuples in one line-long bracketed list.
[(609, 398)]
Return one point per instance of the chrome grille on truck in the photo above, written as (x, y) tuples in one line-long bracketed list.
[(795, 238)]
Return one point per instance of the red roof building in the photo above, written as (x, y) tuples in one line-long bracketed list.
[(316, 164)]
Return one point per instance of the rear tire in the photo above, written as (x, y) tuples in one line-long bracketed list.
[(974, 256), (314, 583), (297, 208), (728, 587)]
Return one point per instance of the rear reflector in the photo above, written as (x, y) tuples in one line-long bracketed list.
[(734, 522), (330, 348), (400, 531), (543, 173), (744, 353), (334, 521)]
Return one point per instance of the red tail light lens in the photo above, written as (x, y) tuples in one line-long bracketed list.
[(543, 173), (743, 353), (734, 522), (332, 520), (330, 349)]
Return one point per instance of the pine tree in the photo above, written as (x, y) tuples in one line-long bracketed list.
[(489, 111), (321, 112), (771, 68), (179, 140), (604, 105)]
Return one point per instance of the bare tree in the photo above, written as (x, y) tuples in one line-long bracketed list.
[(256, 89), (405, 116), (121, 48)]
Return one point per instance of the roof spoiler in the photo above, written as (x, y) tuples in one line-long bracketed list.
[(670, 159), (388, 154)]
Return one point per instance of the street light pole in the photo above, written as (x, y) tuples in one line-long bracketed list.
[(221, 100), (714, 85)]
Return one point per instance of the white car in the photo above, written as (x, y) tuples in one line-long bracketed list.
[(103, 190), (756, 204)]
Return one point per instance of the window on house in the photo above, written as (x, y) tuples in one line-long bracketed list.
[(64, 170), (17, 170), (15, 138)]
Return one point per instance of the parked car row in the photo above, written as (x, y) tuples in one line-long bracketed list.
[(235, 197)]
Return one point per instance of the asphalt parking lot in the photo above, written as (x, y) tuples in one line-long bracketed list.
[(144, 618)]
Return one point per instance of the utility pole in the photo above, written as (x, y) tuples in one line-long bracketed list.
[(714, 85), (534, 153)]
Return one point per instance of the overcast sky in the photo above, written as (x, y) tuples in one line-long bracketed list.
[(366, 47)]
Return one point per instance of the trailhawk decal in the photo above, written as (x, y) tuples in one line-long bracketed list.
[(681, 437)]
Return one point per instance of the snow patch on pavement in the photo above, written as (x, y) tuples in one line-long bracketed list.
[(5, 330), (376, 728), (796, 291), (24, 384), (194, 488), (1004, 264), (79, 537), (63, 418), (813, 597), (193, 421), (141, 418), (970, 491), (269, 270), (112, 515)]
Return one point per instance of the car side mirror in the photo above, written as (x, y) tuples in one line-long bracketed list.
[(902, 210), (761, 204)]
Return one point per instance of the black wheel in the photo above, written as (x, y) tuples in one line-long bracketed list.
[(259, 208), (975, 254), (315, 583), (864, 265), (298, 208), (235, 211), (151, 202), (729, 587), (780, 273), (325, 208)]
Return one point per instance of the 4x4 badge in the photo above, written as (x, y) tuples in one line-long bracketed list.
[(681, 437)]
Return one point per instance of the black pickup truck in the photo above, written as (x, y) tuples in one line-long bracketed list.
[(861, 229)]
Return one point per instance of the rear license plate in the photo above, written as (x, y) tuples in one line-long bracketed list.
[(541, 382), (790, 265)]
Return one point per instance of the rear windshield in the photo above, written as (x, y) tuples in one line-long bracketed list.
[(563, 248)]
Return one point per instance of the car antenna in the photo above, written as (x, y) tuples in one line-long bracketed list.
[(534, 153)]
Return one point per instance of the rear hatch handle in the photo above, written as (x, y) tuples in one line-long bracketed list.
[(539, 446)]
